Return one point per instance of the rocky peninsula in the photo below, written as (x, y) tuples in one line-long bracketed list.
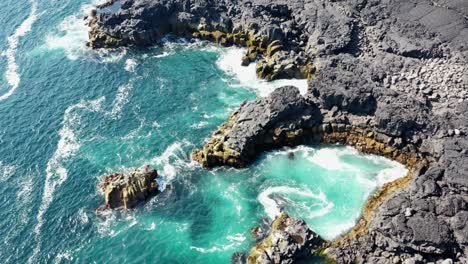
[(387, 77)]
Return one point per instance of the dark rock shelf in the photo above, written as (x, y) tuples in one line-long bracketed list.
[(388, 77)]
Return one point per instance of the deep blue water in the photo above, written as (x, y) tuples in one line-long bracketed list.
[(69, 115)]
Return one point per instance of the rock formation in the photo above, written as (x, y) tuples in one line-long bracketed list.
[(386, 76), (128, 190), (288, 241), (266, 123)]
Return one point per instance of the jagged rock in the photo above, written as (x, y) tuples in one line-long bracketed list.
[(277, 120), (127, 190), (391, 79), (288, 241)]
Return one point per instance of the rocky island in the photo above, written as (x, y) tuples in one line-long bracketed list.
[(387, 77), (126, 190)]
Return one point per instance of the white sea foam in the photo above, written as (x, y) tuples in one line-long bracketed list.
[(63, 256), (24, 194), (72, 36), (203, 250), (120, 100), (200, 124), (104, 227), (67, 146), (329, 158), (338, 229), (272, 208), (172, 160), (12, 76), (83, 216), (305, 150), (237, 237), (233, 195), (230, 62), (391, 174), (164, 54), (394, 171), (112, 226), (152, 226), (130, 65), (6, 171), (235, 240), (24, 197)]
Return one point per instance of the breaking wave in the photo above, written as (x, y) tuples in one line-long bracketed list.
[(329, 158), (172, 160), (72, 37), (130, 65)]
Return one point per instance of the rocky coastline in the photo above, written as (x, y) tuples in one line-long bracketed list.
[(387, 77)]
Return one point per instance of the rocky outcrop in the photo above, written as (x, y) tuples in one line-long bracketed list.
[(286, 118), (377, 121), (278, 120), (288, 241), (128, 190)]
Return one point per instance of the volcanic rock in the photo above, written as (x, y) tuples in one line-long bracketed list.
[(387, 77), (129, 189), (288, 241)]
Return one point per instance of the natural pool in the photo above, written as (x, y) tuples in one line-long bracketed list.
[(79, 114)]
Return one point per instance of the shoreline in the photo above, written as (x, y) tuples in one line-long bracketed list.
[(351, 100)]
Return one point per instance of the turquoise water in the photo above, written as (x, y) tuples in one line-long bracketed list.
[(69, 115)]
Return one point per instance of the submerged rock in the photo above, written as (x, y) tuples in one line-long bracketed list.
[(288, 241), (127, 190)]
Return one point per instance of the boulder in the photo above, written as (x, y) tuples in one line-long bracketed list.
[(126, 190)]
